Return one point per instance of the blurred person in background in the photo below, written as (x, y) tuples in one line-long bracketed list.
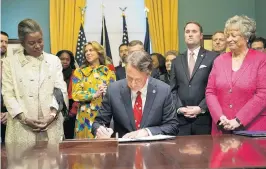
[(68, 64), (169, 56), (219, 42)]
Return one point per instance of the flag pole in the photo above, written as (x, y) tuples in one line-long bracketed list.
[(103, 27), (147, 35), (125, 32)]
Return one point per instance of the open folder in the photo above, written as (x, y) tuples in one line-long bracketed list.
[(149, 138), (251, 133)]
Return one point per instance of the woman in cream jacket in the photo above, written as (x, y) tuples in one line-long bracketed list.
[(29, 78)]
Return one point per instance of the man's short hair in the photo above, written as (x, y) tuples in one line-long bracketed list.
[(217, 32), (135, 42), (196, 23), (123, 44), (260, 39), (4, 33), (141, 60)]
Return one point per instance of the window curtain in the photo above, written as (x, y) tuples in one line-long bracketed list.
[(65, 20), (163, 22)]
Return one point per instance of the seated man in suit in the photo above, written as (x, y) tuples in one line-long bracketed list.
[(120, 70), (140, 105)]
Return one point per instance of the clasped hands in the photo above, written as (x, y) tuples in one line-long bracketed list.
[(103, 132), (228, 124), (190, 111), (39, 125)]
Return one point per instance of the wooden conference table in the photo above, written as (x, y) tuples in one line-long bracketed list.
[(227, 151)]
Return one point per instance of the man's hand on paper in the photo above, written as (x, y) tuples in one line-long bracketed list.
[(137, 134)]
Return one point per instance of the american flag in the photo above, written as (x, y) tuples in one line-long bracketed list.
[(81, 42), (125, 33)]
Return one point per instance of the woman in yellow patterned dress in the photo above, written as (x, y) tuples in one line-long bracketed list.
[(89, 84)]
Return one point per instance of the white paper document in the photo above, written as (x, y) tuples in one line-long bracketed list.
[(149, 138)]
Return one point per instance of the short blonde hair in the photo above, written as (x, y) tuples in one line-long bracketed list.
[(99, 49), (244, 24)]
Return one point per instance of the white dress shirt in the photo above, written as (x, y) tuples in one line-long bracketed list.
[(143, 95), (143, 98)]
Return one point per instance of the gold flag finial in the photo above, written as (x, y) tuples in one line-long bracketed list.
[(82, 11), (146, 10), (123, 10)]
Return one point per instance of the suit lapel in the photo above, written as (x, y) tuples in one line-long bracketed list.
[(151, 94), (126, 96), (246, 63), (185, 64), (228, 67), (200, 57)]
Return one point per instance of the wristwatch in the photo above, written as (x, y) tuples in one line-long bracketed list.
[(237, 120)]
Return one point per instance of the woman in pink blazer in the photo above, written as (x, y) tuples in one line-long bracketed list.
[(236, 90)]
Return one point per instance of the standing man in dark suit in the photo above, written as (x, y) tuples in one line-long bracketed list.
[(189, 77), (140, 105), (120, 70)]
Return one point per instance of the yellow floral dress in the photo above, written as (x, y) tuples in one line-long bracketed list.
[(85, 83)]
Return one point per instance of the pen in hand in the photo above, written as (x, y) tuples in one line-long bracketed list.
[(104, 132)]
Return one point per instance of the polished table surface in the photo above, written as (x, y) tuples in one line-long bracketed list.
[(227, 151)]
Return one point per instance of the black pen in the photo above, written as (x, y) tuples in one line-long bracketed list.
[(104, 126)]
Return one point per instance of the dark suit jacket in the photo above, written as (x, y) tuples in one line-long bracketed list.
[(191, 91), (158, 116), (120, 73), (3, 126)]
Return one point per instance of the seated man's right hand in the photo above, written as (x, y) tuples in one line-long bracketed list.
[(103, 132)]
